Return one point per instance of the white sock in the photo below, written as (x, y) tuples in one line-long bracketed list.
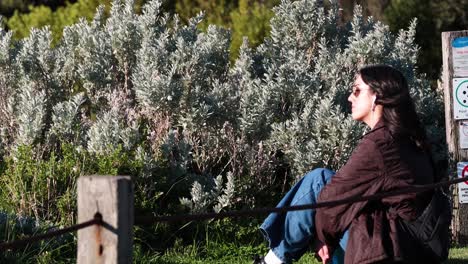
[(271, 258)]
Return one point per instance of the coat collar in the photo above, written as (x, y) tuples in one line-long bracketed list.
[(379, 125)]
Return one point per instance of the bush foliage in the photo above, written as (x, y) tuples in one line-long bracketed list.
[(146, 95), (244, 17)]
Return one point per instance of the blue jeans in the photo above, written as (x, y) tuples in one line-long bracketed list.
[(290, 234)]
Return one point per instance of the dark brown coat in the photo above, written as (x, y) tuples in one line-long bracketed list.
[(380, 163)]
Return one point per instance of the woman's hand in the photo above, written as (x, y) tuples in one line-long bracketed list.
[(322, 251)]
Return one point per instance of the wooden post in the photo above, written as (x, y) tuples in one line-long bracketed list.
[(112, 197), (460, 212)]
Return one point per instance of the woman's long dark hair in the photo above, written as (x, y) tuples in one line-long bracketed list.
[(392, 92)]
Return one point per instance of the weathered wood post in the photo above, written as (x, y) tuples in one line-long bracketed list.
[(455, 66), (112, 197)]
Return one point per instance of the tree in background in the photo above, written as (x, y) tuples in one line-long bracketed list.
[(433, 17), (252, 20), (43, 15), (216, 11), (48, 13), (245, 18), (7, 7)]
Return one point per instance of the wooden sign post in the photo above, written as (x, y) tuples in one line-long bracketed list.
[(112, 198), (455, 69)]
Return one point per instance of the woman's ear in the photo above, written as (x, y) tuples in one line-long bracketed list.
[(373, 103)]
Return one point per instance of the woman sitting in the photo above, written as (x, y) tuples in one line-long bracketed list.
[(393, 155)]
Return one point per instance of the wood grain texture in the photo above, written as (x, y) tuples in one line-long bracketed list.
[(460, 212), (112, 197)]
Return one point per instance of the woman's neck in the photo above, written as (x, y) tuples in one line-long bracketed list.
[(375, 116)]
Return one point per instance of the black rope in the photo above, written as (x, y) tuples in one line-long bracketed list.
[(97, 220), (148, 220), (142, 220)]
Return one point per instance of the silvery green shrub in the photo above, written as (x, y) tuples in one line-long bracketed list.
[(166, 94)]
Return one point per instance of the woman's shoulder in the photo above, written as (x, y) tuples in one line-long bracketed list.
[(380, 136), (367, 152), (380, 130), (380, 144)]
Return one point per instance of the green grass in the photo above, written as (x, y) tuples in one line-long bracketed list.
[(458, 255), (222, 241), (243, 255)]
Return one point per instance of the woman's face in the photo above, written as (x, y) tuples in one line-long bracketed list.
[(361, 99)]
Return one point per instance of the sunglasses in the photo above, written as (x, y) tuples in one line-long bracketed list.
[(356, 91)]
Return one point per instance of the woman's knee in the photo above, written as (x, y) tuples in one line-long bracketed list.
[(323, 175), (308, 188)]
